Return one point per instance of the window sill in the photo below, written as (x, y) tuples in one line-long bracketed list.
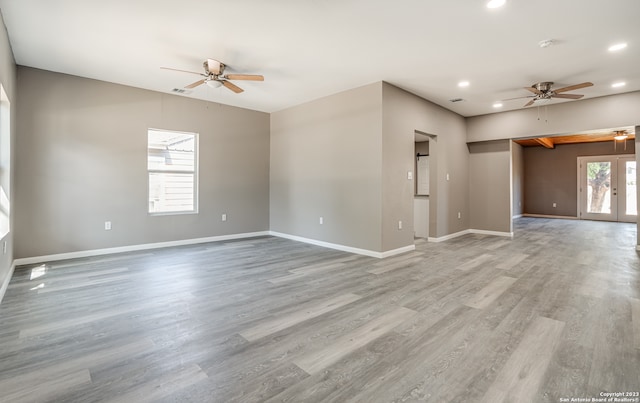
[(172, 213)]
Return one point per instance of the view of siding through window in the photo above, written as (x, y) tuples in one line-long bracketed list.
[(172, 169)]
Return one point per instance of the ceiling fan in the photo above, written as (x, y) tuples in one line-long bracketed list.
[(214, 76), (544, 90)]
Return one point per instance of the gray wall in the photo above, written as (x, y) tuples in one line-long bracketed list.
[(403, 114), (517, 178), (568, 117), (490, 185), (346, 157), (550, 175), (81, 160), (326, 161), (8, 80)]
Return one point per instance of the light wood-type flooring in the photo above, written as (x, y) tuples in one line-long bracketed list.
[(552, 314)]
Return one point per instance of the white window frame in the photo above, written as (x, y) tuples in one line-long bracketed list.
[(5, 164), (195, 174)]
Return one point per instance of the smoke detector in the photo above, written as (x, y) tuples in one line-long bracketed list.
[(546, 43)]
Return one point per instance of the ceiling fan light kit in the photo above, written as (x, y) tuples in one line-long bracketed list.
[(620, 135), (214, 76), (213, 83)]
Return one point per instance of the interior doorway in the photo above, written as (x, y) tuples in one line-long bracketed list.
[(607, 188), (421, 187)]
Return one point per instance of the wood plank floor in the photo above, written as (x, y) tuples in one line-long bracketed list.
[(553, 313)]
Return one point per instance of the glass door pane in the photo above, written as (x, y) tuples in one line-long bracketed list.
[(630, 187), (599, 187)]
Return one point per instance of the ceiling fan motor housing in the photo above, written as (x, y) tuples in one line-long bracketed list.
[(543, 86), (208, 72)]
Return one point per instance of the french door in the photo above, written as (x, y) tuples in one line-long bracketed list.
[(607, 188)]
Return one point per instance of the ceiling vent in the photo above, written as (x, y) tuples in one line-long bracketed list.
[(456, 100), (180, 91)]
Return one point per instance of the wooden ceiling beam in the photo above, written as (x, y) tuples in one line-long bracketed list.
[(545, 142), (570, 139)]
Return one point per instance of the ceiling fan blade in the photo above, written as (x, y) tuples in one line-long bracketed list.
[(529, 103), (534, 90), (568, 96), (194, 85), (232, 86), (214, 66), (511, 99), (183, 71), (573, 87), (249, 77)]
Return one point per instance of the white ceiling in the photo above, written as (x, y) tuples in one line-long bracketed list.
[(307, 49)]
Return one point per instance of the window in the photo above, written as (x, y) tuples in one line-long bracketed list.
[(172, 164), (5, 162)]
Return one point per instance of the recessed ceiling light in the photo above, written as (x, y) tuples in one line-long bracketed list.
[(497, 105), (618, 84), (463, 84), (496, 3), (616, 47)]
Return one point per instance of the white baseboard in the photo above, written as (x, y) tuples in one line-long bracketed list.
[(5, 282), (450, 236), (564, 217), (344, 248), (470, 231), (517, 216), (493, 233), (398, 251), (133, 248), (157, 245)]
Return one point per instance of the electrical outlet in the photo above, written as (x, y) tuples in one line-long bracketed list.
[(459, 215), (399, 224), (321, 220), (555, 205), (409, 175), (107, 225), (224, 217), (447, 176)]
